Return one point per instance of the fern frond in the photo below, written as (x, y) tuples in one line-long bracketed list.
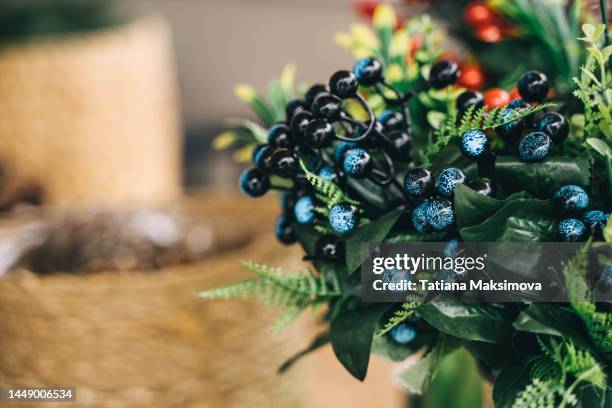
[(598, 324), (406, 311), (539, 394), (329, 193)]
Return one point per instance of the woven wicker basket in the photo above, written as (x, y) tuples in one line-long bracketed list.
[(92, 117), (143, 339)]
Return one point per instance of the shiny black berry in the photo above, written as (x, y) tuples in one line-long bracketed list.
[(469, 99), (533, 86), (257, 151), (329, 248), (280, 136), (299, 122), (357, 163), (313, 92), (284, 230), (254, 182), (481, 187), (263, 157), (369, 71), (418, 183), (443, 73), (327, 106), (343, 84), (391, 120), (400, 145), (294, 106), (319, 134), (284, 163), (554, 125)]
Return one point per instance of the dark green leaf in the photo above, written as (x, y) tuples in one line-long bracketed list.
[(352, 331), (521, 220), (541, 179), (481, 322), (509, 383), (374, 232), (319, 341)]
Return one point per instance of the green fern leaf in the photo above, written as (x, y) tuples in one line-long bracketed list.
[(406, 311), (329, 193), (539, 394)]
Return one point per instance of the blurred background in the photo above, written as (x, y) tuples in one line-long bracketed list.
[(115, 209)]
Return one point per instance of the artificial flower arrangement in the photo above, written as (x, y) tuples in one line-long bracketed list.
[(393, 151)]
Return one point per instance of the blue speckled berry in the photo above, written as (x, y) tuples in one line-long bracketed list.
[(403, 333), (535, 147), (440, 214), (330, 174), (254, 182), (357, 162), (571, 230), (419, 217), (304, 210), (595, 221), (554, 125), (445, 183), (474, 143), (344, 218), (342, 148), (570, 199), (368, 71), (395, 275), (451, 249), (606, 275), (418, 183), (512, 130)]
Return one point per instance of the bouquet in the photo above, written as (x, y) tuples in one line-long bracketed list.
[(397, 151)]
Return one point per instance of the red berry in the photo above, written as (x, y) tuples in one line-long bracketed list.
[(495, 97), (471, 77), (477, 13), (489, 32)]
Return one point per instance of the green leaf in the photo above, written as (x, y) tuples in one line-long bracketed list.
[(416, 376), (509, 383), (541, 179), (520, 220), (600, 146), (608, 231), (472, 208), (352, 331), (480, 322), (374, 232)]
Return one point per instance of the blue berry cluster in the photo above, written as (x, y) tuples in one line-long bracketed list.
[(571, 204)]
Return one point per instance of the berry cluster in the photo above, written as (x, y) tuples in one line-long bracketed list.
[(537, 144), (571, 204), (332, 144)]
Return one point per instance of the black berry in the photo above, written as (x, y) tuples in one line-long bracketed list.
[(400, 145), (533, 86), (254, 182), (468, 99), (285, 231), (284, 163), (280, 136), (329, 248), (369, 71), (294, 106), (554, 125), (327, 106), (443, 73), (343, 84), (299, 122), (313, 92), (319, 134)]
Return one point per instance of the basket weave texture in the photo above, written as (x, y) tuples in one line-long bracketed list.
[(143, 338), (92, 117)]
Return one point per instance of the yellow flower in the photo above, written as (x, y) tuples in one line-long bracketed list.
[(361, 53), (399, 43), (244, 154), (364, 37), (245, 93), (394, 73), (223, 141), (384, 17), (287, 77), (344, 40)]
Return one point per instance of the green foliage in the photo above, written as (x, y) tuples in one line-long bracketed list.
[(406, 311), (539, 394), (292, 292), (483, 119), (598, 324), (328, 193)]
